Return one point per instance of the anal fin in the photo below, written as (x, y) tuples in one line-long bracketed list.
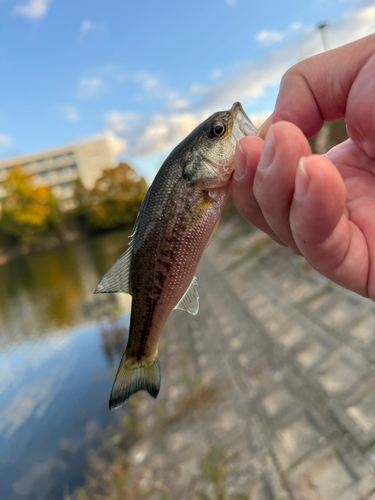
[(190, 300)]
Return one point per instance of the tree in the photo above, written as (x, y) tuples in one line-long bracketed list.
[(115, 199), (28, 211)]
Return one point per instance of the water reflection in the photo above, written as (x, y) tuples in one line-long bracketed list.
[(51, 290), (59, 347)]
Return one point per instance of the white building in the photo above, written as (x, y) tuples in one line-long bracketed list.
[(59, 168)]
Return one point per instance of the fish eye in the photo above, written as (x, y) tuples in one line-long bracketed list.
[(217, 130)]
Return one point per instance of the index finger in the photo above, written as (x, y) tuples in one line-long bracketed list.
[(316, 89)]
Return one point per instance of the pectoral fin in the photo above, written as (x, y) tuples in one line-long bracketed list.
[(196, 212), (117, 278), (213, 232), (190, 301)]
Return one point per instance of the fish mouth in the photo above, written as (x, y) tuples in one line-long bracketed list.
[(242, 125)]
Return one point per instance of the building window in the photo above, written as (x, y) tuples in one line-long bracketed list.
[(67, 189), (57, 159)]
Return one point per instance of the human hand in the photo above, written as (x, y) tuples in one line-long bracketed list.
[(323, 207)]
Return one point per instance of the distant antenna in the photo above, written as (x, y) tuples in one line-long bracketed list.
[(322, 28)]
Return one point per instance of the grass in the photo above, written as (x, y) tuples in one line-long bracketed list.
[(213, 467)]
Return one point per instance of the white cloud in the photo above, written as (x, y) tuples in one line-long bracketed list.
[(87, 26), (230, 2), (252, 79), (295, 26), (91, 87), (122, 122), (259, 118), (162, 131), (34, 9), (70, 113), (105, 78), (150, 83), (117, 144), (5, 140), (269, 37), (145, 137), (177, 105), (31, 400), (249, 83), (198, 89), (216, 73)]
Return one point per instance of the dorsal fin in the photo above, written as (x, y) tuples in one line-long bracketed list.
[(190, 300), (117, 278), (141, 209)]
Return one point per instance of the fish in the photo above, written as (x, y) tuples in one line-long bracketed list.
[(176, 221)]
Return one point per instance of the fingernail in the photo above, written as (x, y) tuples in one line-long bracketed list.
[(302, 181), (239, 162), (269, 150)]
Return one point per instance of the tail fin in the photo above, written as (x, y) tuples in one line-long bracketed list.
[(133, 377)]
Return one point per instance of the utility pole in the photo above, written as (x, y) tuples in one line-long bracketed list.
[(323, 34), (321, 142)]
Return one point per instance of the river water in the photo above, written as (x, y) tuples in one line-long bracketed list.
[(59, 349)]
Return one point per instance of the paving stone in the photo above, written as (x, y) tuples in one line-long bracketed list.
[(304, 291), (341, 371), (269, 485), (325, 477), (343, 313), (180, 440), (364, 413), (227, 421), (318, 300), (259, 374), (316, 349), (357, 412), (277, 401), (295, 440), (311, 355), (260, 305), (280, 315), (364, 331), (294, 333)]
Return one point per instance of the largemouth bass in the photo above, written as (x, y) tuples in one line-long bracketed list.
[(176, 221)]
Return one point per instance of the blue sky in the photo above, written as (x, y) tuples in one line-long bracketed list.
[(148, 71)]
